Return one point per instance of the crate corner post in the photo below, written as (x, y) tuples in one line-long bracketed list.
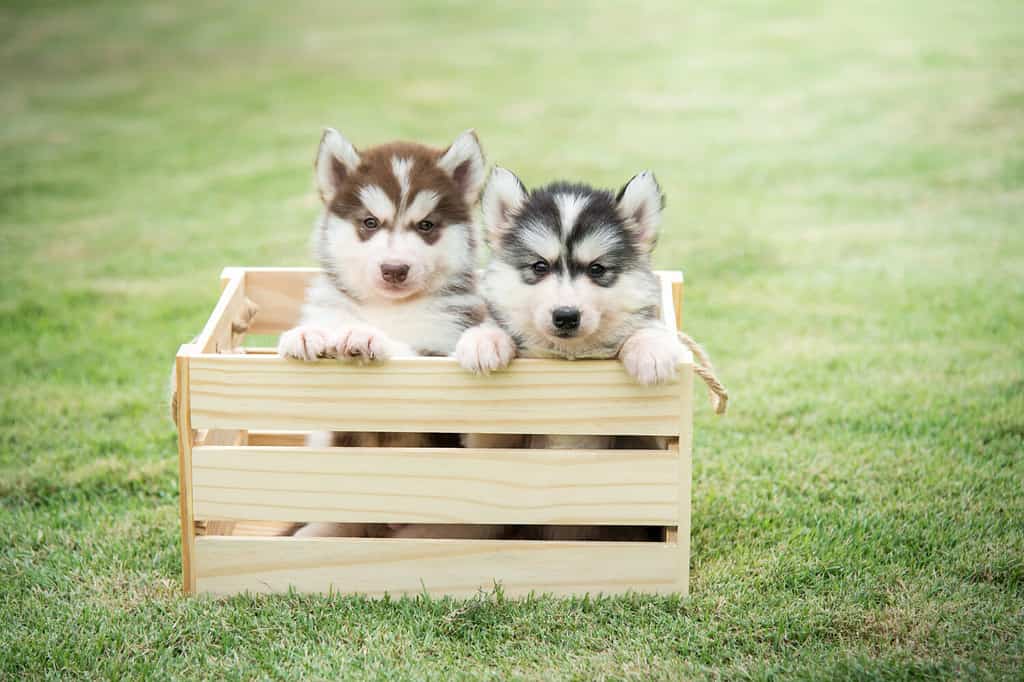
[(684, 451), (185, 442)]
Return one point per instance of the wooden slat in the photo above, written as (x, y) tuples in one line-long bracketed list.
[(219, 437), (228, 565), (683, 448), (246, 528), (277, 438), (258, 392), (677, 299), (279, 292), (216, 334), (185, 470), (436, 485)]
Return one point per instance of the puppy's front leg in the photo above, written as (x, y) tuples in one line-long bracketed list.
[(485, 348), (651, 355), (306, 342), (363, 343)]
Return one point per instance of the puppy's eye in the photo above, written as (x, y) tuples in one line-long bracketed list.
[(596, 270), (540, 268), (371, 223), (425, 226)]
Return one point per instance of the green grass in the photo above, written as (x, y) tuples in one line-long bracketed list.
[(846, 192)]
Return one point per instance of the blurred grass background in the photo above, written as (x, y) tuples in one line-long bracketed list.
[(845, 193)]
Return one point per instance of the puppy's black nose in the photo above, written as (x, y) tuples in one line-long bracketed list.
[(566, 318), (394, 272)]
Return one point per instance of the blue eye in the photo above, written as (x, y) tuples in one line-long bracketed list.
[(596, 270), (371, 223), (540, 268), (425, 226)]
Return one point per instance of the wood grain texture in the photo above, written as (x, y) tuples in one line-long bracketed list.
[(667, 305), (677, 298), (217, 437), (185, 471), (216, 336), (279, 292), (259, 392), (436, 485), (684, 449), (245, 528), (277, 438), (229, 565)]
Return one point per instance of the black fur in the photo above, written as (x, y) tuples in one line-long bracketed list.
[(600, 214)]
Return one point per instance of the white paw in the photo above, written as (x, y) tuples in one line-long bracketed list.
[(650, 356), (362, 344), (483, 349), (305, 343)]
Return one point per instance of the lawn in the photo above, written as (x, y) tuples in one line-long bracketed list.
[(845, 193)]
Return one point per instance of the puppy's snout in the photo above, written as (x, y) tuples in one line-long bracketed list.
[(566, 319), (394, 273)]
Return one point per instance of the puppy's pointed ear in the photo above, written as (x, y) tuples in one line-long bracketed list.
[(464, 163), (335, 159), (504, 195), (640, 203)]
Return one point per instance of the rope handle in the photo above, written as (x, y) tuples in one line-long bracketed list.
[(703, 368)]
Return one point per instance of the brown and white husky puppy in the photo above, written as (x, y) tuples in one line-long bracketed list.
[(397, 246), (571, 278)]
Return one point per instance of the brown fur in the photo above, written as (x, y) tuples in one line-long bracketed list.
[(375, 169)]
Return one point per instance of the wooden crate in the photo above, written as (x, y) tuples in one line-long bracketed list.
[(247, 478)]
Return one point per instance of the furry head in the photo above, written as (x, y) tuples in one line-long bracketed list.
[(397, 217), (571, 275)]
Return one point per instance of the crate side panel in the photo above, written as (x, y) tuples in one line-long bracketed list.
[(428, 394), (422, 485), (279, 292), (229, 565)]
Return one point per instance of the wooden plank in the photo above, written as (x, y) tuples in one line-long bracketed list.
[(217, 437), (684, 450), (677, 298), (259, 392), (245, 528), (280, 292), (185, 471), (216, 335), (229, 565), (436, 485), (277, 438)]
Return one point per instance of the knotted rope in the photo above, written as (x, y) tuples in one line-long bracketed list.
[(703, 368)]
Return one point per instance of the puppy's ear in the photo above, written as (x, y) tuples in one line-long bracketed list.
[(504, 196), (640, 203), (464, 163), (335, 159)]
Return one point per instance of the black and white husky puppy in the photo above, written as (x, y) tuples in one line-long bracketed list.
[(571, 272), (571, 278), (397, 245)]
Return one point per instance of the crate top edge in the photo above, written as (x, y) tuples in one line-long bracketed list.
[(611, 366)]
